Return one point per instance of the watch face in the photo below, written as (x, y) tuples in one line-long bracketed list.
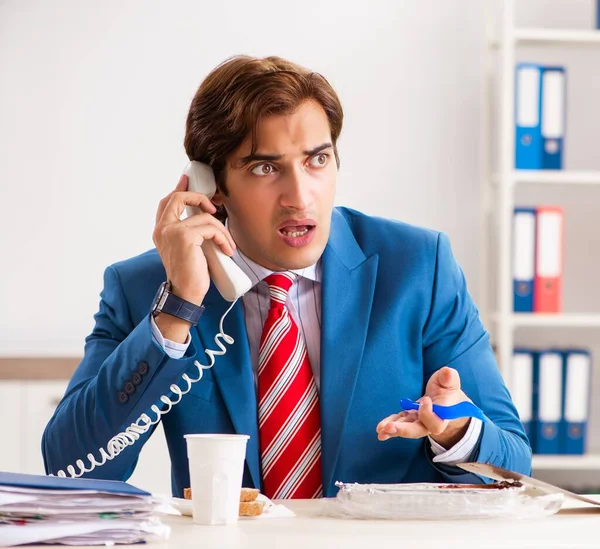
[(158, 302)]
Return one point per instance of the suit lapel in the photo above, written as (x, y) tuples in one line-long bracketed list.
[(233, 371), (347, 295)]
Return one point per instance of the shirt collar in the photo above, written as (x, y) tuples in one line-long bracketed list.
[(258, 273)]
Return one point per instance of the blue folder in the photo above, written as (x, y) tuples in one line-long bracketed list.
[(553, 117), (549, 401), (524, 239), (535, 398), (576, 402), (61, 483), (522, 388), (528, 116)]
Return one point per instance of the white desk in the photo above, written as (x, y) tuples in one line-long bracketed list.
[(572, 528)]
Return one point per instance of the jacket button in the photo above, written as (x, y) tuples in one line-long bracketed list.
[(143, 368), (129, 388), (123, 397), (136, 378)]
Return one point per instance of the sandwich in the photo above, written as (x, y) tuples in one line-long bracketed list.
[(249, 507)]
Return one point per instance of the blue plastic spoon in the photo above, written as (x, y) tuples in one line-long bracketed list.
[(462, 409)]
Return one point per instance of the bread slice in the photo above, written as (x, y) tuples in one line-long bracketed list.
[(251, 508), (247, 494)]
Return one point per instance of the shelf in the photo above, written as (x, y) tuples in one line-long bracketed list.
[(551, 177), (558, 462), (583, 320), (557, 37)]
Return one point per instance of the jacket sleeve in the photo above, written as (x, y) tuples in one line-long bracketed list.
[(96, 405), (454, 336)]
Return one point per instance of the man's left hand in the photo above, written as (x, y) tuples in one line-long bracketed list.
[(444, 389)]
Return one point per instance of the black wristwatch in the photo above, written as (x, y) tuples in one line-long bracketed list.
[(169, 303)]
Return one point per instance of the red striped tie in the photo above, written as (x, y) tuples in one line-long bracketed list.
[(288, 404)]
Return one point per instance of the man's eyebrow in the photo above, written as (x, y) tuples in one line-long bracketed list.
[(318, 149), (275, 157)]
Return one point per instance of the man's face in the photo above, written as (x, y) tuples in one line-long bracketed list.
[(281, 198)]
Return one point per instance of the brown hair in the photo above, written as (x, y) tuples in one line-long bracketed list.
[(236, 94)]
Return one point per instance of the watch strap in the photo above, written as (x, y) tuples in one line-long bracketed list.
[(180, 308)]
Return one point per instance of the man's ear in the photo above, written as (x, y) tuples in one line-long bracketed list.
[(217, 198)]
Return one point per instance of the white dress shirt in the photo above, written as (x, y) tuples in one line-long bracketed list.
[(304, 304)]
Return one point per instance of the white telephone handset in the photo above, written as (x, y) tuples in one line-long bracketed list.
[(229, 279)]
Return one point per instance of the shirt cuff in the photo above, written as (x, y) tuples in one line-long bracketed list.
[(172, 348), (462, 451)]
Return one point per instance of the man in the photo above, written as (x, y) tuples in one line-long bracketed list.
[(347, 315)]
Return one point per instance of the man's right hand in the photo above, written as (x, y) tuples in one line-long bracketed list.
[(179, 242)]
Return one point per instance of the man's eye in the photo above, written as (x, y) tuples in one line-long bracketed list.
[(263, 169), (319, 160)]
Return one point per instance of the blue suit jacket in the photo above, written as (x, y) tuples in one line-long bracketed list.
[(395, 308)]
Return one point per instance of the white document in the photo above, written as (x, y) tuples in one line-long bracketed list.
[(577, 392), (550, 387), (43, 531), (78, 517), (553, 104), (522, 384), (524, 246)]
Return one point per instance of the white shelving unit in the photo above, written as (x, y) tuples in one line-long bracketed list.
[(550, 177), (552, 37), (498, 197), (562, 463), (516, 320), (557, 37)]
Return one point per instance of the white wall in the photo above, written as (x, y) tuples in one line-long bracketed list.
[(93, 100)]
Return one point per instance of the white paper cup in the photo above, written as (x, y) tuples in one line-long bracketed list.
[(216, 469)]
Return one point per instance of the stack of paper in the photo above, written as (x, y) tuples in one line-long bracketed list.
[(35, 509)]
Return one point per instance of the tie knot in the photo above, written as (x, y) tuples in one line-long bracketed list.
[(279, 286)]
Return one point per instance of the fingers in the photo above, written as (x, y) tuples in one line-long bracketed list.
[(412, 423), (161, 207), (196, 236), (181, 186), (217, 236), (178, 200), (211, 232), (175, 202), (208, 219), (449, 379), (405, 424), (386, 420), (201, 226), (384, 427), (432, 422)]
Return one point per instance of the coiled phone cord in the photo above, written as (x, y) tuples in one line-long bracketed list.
[(143, 424)]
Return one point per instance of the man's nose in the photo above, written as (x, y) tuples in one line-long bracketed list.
[(298, 192)]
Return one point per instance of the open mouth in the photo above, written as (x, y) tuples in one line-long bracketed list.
[(296, 231)]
